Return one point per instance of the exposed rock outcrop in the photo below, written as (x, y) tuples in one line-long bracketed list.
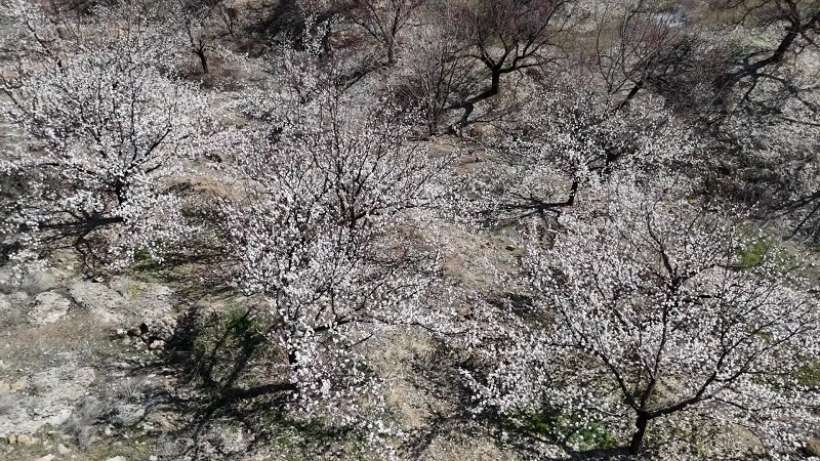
[(49, 307)]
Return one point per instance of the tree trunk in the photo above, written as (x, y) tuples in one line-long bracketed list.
[(636, 445), (391, 54), (203, 60), (119, 192), (469, 105), (632, 93)]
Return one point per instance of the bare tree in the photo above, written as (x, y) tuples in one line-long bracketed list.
[(508, 36), (799, 21), (647, 47), (654, 54), (204, 23), (383, 20), (435, 74)]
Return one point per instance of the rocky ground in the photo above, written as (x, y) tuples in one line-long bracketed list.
[(101, 369), (71, 383)]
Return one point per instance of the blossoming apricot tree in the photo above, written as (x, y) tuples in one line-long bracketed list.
[(106, 126), (647, 322), (317, 236)]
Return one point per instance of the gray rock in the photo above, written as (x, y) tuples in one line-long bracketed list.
[(9, 277), (54, 394), (228, 439), (536, 228), (49, 307), (146, 301), (117, 458), (105, 304), (21, 439), (12, 387), (125, 298), (33, 277), (14, 309), (19, 298)]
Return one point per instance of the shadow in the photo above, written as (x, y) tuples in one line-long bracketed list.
[(225, 374), (438, 376)]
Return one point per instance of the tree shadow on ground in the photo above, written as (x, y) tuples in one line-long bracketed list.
[(455, 414), (438, 376), (220, 380)]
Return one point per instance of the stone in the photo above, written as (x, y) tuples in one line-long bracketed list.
[(24, 439), (229, 438), (58, 391), (49, 307), (117, 458), (146, 301), (19, 298), (48, 457), (99, 300), (63, 450), (34, 276), (12, 388), (157, 344)]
